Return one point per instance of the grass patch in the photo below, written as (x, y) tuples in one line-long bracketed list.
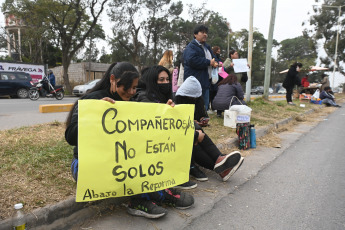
[(35, 161), (34, 167)]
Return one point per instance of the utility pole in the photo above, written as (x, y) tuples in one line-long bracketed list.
[(250, 51), (336, 41), (269, 50)]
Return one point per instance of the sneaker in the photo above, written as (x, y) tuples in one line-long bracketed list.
[(229, 172), (177, 199), (197, 173), (225, 162), (145, 208), (187, 185), (290, 103)]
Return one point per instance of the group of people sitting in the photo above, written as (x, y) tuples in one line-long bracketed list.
[(122, 82)]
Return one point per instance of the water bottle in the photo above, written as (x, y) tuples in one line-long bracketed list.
[(252, 137), (19, 222)]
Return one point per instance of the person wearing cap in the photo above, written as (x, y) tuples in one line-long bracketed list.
[(291, 80), (199, 60), (205, 152), (324, 82)]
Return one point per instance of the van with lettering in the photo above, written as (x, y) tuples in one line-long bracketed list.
[(15, 84)]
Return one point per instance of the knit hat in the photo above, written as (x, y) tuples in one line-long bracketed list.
[(190, 88)]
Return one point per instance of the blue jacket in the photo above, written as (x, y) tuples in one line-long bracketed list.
[(196, 64), (52, 79)]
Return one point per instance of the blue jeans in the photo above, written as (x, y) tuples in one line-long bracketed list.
[(206, 97)]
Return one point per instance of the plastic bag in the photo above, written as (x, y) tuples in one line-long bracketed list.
[(214, 75), (230, 118), (243, 113), (316, 95)]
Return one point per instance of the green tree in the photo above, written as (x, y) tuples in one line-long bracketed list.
[(150, 18), (67, 22), (324, 28), (301, 49)]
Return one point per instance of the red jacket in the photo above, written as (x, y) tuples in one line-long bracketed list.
[(305, 82)]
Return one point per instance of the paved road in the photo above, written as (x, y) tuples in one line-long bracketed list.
[(302, 189), (15, 113)]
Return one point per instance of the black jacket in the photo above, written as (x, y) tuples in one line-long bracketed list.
[(291, 78), (71, 133)]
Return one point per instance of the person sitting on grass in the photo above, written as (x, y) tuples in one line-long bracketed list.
[(328, 98), (119, 84), (205, 152)]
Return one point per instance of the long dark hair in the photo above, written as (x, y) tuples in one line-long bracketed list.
[(124, 71), (231, 79), (149, 77)]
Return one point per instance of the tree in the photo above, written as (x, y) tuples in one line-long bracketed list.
[(68, 23), (149, 18), (324, 28), (301, 49)]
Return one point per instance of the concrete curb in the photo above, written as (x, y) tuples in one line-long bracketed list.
[(67, 213), (54, 108)]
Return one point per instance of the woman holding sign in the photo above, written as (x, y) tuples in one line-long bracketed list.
[(156, 81), (119, 84)]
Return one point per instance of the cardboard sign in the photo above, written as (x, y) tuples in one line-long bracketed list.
[(129, 148)]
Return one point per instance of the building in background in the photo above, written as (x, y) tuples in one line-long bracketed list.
[(80, 73)]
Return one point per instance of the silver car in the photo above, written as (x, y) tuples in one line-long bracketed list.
[(80, 90)]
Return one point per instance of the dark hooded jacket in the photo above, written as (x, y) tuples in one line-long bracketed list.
[(291, 78), (196, 64)]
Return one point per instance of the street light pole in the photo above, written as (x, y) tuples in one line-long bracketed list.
[(336, 41)]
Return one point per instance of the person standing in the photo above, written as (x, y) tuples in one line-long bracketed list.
[(229, 65), (324, 82), (291, 80), (199, 60), (167, 61)]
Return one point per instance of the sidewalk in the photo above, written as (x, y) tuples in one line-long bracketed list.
[(68, 213)]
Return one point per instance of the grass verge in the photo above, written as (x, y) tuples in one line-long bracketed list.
[(35, 161)]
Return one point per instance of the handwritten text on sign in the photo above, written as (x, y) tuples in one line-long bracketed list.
[(130, 148)]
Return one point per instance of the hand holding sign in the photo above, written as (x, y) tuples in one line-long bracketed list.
[(240, 65)]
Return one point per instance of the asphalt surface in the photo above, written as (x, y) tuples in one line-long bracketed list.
[(15, 113)]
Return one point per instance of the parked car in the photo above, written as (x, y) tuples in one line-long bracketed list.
[(15, 84), (282, 90), (257, 90), (80, 90), (270, 90)]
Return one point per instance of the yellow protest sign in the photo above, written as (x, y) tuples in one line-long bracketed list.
[(129, 148)]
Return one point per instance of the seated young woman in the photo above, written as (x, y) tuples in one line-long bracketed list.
[(229, 93), (156, 87), (205, 152), (119, 84)]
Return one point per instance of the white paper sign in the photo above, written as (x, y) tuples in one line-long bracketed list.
[(240, 65)]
